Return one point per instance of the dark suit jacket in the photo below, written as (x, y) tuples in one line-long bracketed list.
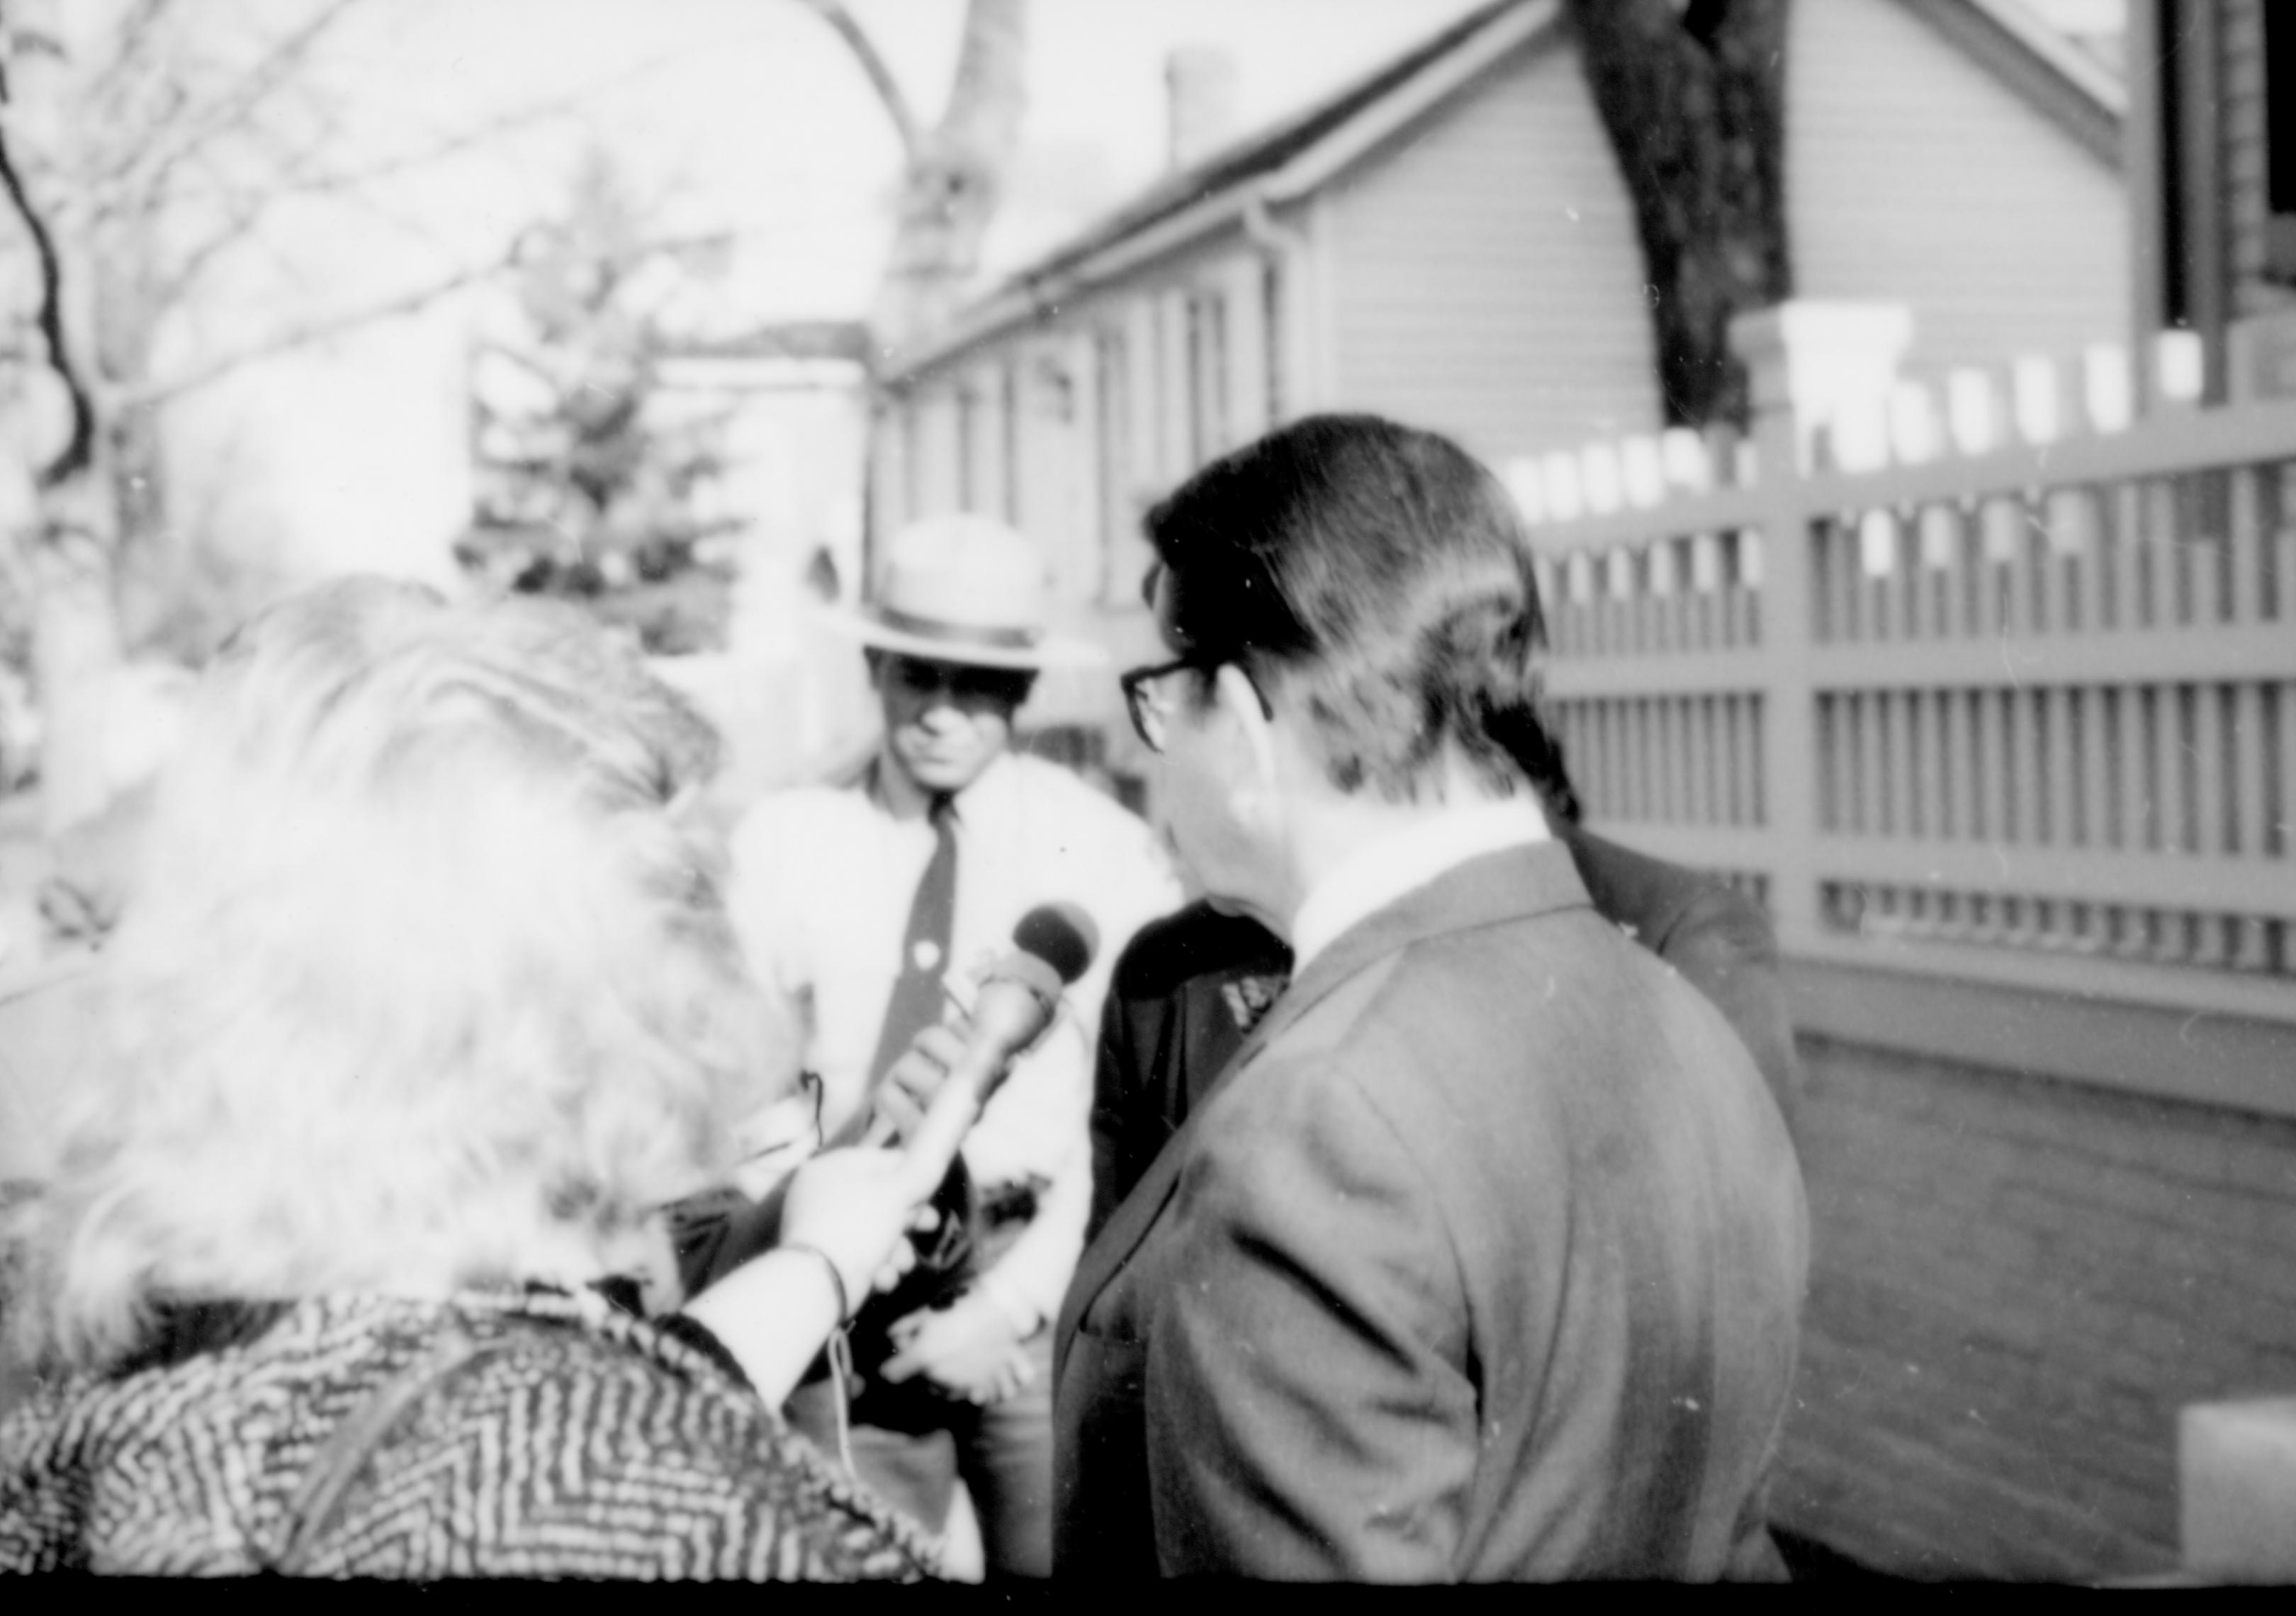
[(1190, 985), (1483, 1260)]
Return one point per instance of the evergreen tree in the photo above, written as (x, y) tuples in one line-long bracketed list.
[(594, 476)]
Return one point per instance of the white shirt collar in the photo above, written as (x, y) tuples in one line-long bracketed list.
[(989, 793), (1402, 861)]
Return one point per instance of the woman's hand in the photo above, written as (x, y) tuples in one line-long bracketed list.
[(846, 1219), (856, 1207)]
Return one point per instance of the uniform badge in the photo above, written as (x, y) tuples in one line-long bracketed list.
[(1248, 998)]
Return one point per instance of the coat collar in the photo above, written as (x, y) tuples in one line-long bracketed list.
[(1514, 884), (1394, 863)]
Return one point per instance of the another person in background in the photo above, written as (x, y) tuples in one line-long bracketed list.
[(1192, 987), (1484, 1258), (425, 1007), (866, 909)]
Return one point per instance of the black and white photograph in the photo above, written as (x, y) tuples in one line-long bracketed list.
[(1040, 793)]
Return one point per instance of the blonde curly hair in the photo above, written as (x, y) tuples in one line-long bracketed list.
[(427, 983)]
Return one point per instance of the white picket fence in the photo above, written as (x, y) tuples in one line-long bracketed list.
[(1994, 679)]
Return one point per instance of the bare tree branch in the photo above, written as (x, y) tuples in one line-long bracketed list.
[(449, 145), (242, 212), (277, 67), (79, 450), (135, 33), (24, 39), (873, 63), (299, 172), (337, 180), (288, 339)]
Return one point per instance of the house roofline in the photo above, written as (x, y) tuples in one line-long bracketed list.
[(1356, 137), (2049, 71), (1236, 182), (782, 339), (2054, 76)]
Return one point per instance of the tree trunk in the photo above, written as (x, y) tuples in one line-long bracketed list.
[(955, 176), (75, 636), (1694, 98)]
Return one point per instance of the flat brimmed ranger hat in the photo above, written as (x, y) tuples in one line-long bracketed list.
[(965, 589)]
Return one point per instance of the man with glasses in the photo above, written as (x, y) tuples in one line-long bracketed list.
[(1483, 1259), (867, 910)]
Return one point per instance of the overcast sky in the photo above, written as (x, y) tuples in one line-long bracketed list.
[(749, 114)]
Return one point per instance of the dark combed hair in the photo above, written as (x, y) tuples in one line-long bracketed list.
[(1381, 574)]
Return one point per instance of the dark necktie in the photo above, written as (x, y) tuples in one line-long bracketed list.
[(942, 1264), (917, 991), (716, 1232)]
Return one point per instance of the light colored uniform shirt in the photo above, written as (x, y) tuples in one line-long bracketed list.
[(821, 883)]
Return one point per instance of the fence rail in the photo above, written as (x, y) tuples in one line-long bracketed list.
[(2024, 711)]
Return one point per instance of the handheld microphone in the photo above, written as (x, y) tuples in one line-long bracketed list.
[(1052, 946), (1060, 935)]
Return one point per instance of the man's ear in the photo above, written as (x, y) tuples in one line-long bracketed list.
[(1234, 693)]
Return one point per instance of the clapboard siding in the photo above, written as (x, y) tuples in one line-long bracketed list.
[(934, 475), (1055, 495), (1486, 278), (1914, 177), (893, 459), (985, 451)]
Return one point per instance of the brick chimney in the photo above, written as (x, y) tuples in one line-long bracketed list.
[(1199, 82)]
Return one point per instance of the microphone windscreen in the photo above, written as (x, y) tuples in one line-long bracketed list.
[(1060, 935)]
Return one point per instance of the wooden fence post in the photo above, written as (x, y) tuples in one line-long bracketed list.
[(1789, 760)]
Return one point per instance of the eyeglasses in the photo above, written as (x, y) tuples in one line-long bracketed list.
[(1149, 714), (962, 682)]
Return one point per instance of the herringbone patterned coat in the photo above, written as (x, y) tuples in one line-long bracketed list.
[(567, 1441)]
